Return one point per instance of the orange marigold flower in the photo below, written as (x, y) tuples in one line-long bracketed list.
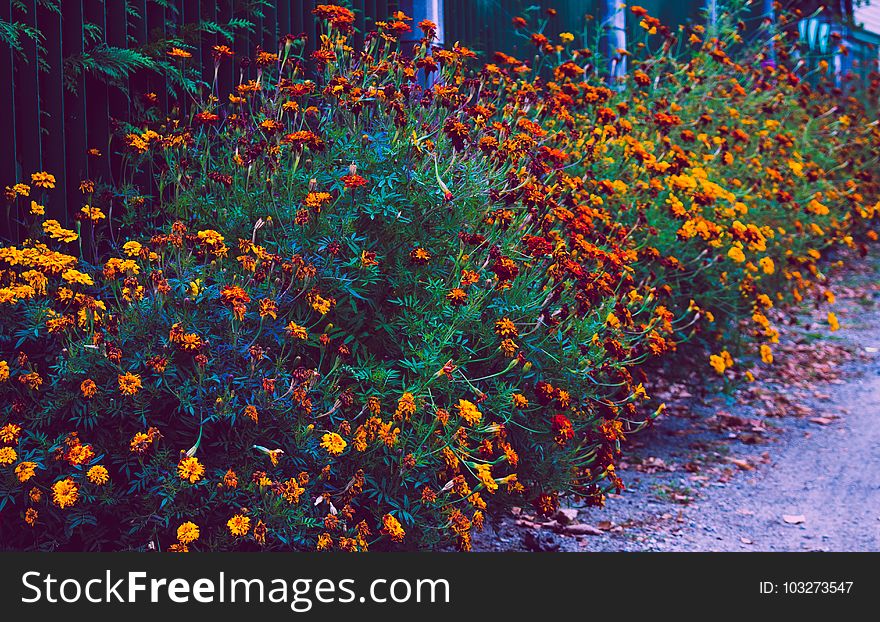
[(30, 516), (25, 470), (392, 528), (98, 475), (268, 308), (296, 331), (333, 443), (10, 432), (129, 383), (43, 180), (187, 532), (457, 297), (468, 411), (506, 328), (179, 53), (65, 493), (191, 470), (88, 388), (239, 525), (7, 456)]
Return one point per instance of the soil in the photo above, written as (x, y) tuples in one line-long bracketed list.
[(790, 462)]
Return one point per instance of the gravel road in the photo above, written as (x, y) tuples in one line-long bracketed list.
[(789, 463)]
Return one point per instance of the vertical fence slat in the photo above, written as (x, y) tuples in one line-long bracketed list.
[(27, 106), (97, 103), (8, 228), (52, 113), (75, 143)]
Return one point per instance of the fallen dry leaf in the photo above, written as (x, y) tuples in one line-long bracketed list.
[(582, 529), (745, 466), (794, 519), (822, 420)]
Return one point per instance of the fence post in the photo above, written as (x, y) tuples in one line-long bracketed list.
[(614, 35)]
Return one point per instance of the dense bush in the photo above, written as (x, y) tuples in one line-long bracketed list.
[(365, 305)]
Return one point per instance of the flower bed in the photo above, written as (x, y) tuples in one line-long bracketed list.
[(379, 293)]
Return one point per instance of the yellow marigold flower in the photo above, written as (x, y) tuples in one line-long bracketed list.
[(98, 475), (178, 547), (268, 308), (33, 380), (736, 254), (325, 542), (239, 525), (612, 321), (65, 492), (132, 248), (766, 354), (37, 209), (717, 363), (188, 532), (30, 516), (75, 277), (25, 470), (7, 456), (519, 401), (176, 52), (93, 214), (509, 347), (505, 328), (832, 321), (43, 180), (88, 388), (469, 412), (190, 469), (250, 411), (4, 371), (391, 527), (484, 474), (296, 331), (333, 443), (9, 433), (406, 407), (129, 383), (57, 232), (829, 296), (566, 37)]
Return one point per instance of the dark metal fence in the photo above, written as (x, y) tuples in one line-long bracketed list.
[(54, 116)]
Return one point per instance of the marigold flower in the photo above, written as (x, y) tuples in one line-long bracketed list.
[(187, 532), (176, 52), (10, 432), (25, 470), (392, 528), (239, 525), (333, 443), (98, 475), (832, 321), (129, 383), (469, 412), (88, 388), (43, 180), (7, 456), (406, 407), (65, 493), (484, 474), (766, 354), (30, 516), (190, 469), (296, 331), (457, 297), (736, 254)]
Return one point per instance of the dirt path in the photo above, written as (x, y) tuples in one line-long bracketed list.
[(790, 463)]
